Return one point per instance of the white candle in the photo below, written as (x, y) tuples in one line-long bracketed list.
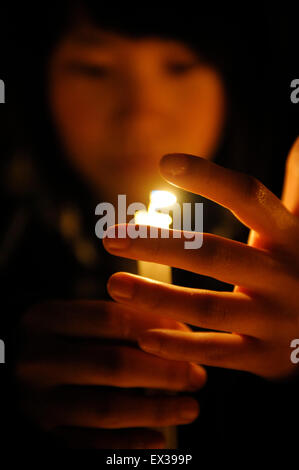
[(158, 272)]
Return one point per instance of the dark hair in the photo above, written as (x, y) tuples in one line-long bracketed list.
[(238, 52)]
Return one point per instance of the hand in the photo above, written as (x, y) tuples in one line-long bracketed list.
[(257, 321), (70, 350)]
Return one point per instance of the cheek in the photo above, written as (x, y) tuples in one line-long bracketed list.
[(78, 118), (202, 113)]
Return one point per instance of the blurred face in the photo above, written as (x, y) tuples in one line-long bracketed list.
[(118, 104)]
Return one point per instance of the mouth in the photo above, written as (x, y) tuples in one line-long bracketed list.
[(138, 163)]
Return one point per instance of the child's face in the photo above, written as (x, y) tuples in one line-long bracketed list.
[(119, 104)]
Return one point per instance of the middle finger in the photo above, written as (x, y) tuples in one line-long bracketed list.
[(229, 261), (224, 311)]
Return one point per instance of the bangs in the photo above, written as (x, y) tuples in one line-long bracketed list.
[(209, 35)]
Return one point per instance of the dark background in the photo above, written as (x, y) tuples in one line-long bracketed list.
[(263, 63)]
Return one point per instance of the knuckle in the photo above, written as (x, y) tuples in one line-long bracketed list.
[(112, 314), (284, 269), (253, 189), (162, 411), (220, 256), (125, 324), (179, 375), (220, 312), (152, 300), (209, 253), (106, 412), (112, 362), (215, 355), (216, 254), (207, 309), (118, 318), (212, 353), (187, 375), (107, 311)]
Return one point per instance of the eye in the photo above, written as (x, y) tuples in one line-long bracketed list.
[(89, 70), (180, 68)]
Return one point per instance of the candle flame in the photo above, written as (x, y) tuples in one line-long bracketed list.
[(158, 200)]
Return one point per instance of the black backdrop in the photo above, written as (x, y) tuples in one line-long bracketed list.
[(271, 119)]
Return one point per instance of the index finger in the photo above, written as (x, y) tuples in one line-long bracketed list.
[(246, 197)]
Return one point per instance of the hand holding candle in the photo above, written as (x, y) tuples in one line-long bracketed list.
[(256, 322)]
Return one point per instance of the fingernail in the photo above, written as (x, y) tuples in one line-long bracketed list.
[(121, 287), (150, 343), (196, 377), (189, 410), (174, 164), (116, 243)]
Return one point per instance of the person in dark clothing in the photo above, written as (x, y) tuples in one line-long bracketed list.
[(118, 94)]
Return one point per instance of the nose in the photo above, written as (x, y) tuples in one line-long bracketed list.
[(141, 99)]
